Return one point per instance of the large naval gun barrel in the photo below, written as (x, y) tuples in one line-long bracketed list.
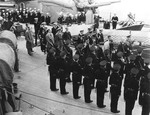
[(8, 48)]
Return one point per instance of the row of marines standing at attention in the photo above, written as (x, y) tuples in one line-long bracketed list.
[(91, 64)]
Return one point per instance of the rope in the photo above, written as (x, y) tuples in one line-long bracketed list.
[(63, 102), (26, 101)]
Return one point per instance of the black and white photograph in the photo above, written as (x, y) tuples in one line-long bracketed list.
[(74, 57)]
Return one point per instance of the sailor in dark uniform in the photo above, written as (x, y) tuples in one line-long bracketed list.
[(69, 58), (47, 19), (120, 60), (76, 76), (139, 61), (66, 35), (62, 66), (96, 22), (81, 37), (129, 66), (115, 89), (131, 88), (101, 76), (88, 72), (107, 24), (53, 68), (100, 37), (79, 51), (36, 28), (114, 21), (145, 90)]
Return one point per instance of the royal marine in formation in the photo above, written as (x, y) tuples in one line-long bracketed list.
[(90, 64)]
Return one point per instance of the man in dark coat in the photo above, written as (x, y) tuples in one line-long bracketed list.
[(62, 67), (47, 19), (119, 60), (145, 90), (36, 28), (88, 72), (101, 76), (76, 76), (29, 40), (114, 21), (131, 88), (100, 37), (115, 89), (139, 61), (66, 35), (52, 68), (81, 37), (96, 22), (106, 24)]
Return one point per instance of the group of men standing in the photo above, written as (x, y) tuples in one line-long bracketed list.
[(69, 19), (26, 15), (91, 66)]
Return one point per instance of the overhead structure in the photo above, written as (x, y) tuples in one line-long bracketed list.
[(54, 7), (6, 4)]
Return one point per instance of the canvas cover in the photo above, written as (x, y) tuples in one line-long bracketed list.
[(9, 35), (6, 73), (7, 54), (8, 41)]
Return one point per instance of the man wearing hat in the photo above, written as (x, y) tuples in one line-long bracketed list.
[(131, 87), (96, 21), (52, 68), (88, 73), (29, 40), (81, 37), (121, 62), (129, 66), (76, 75), (62, 67), (66, 35), (92, 53), (47, 19), (115, 89), (80, 52), (101, 75), (145, 90), (139, 61), (79, 18), (125, 48), (88, 34), (145, 71), (100, 37), (146, 65), (69, 57), (36, 28)]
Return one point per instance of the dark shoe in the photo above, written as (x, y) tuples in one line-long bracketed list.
[(77, 97), (90, 101), (17, 71), (115, 111), (103, 106), (30, 54), (54, 89), (65, 93)]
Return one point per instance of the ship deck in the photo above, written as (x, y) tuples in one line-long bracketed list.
[(34, 79)]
